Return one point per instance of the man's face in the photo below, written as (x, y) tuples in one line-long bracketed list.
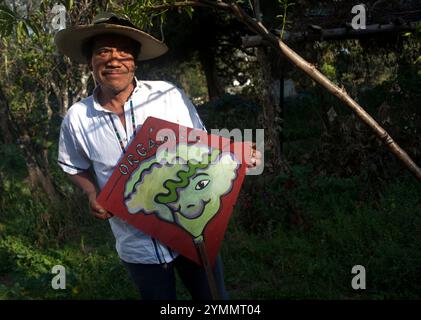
[(113, 62)]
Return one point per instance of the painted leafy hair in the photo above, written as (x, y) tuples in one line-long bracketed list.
[(184, 175)]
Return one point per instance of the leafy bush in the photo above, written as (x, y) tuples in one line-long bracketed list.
[(229, 111)]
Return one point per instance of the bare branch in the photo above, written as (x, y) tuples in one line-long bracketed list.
[(197, 3)]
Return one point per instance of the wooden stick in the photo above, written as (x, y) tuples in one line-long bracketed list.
[(200, 246), (315, 34)]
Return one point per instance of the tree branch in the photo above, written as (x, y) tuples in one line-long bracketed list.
[(193, 3)]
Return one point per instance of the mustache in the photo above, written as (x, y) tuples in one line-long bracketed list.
[(118, 71), (114, 72)]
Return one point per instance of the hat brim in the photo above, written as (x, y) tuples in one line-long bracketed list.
[(71, 40)]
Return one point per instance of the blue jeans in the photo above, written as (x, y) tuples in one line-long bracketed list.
[(157, 281)]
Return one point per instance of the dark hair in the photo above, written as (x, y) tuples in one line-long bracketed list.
[(88, 44)]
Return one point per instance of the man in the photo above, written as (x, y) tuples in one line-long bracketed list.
[(97, 130)]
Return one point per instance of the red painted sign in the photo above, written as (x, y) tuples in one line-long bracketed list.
[(178, 185)]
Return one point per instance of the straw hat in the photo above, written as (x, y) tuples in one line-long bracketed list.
[(70, 41)]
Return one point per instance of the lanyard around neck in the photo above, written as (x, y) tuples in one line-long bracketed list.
[(133, 126)]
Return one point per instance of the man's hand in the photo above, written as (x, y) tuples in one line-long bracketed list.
[(85, 181), (98, 211), (256, 158)]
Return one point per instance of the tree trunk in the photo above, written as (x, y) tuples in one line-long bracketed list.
[(5, 130), (207, 61), (38, 179), (6, 136), (271, 102), (281, 104), (39, 176), (82, 91), (64, 102), (271, 112)]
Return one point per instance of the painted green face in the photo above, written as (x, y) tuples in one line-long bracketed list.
[(194, 193), (193, 199), (200, 200)]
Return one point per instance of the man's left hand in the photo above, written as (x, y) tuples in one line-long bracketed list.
[(256, 158)]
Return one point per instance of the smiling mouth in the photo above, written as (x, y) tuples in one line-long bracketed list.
[(195, 214), (107, 74)]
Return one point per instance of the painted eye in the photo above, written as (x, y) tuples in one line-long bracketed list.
[(202, 184)]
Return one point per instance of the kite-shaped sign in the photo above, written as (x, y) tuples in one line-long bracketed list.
[(178, 185)]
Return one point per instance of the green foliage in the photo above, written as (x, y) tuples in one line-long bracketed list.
[(329, 71), (25, 258), (145, 14), (230, 112), (87, 273), (186, 75), (8, 19), (284, 4), (12, 162), (300, 237)]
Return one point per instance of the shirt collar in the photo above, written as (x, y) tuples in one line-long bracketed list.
[(97, 105)]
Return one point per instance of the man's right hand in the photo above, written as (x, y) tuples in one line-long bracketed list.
[(98, 211)]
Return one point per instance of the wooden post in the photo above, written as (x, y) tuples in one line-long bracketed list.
[(201, 249), (282, 107)]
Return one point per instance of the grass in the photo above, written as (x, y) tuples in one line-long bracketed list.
[(316, 262), (279, 261)]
